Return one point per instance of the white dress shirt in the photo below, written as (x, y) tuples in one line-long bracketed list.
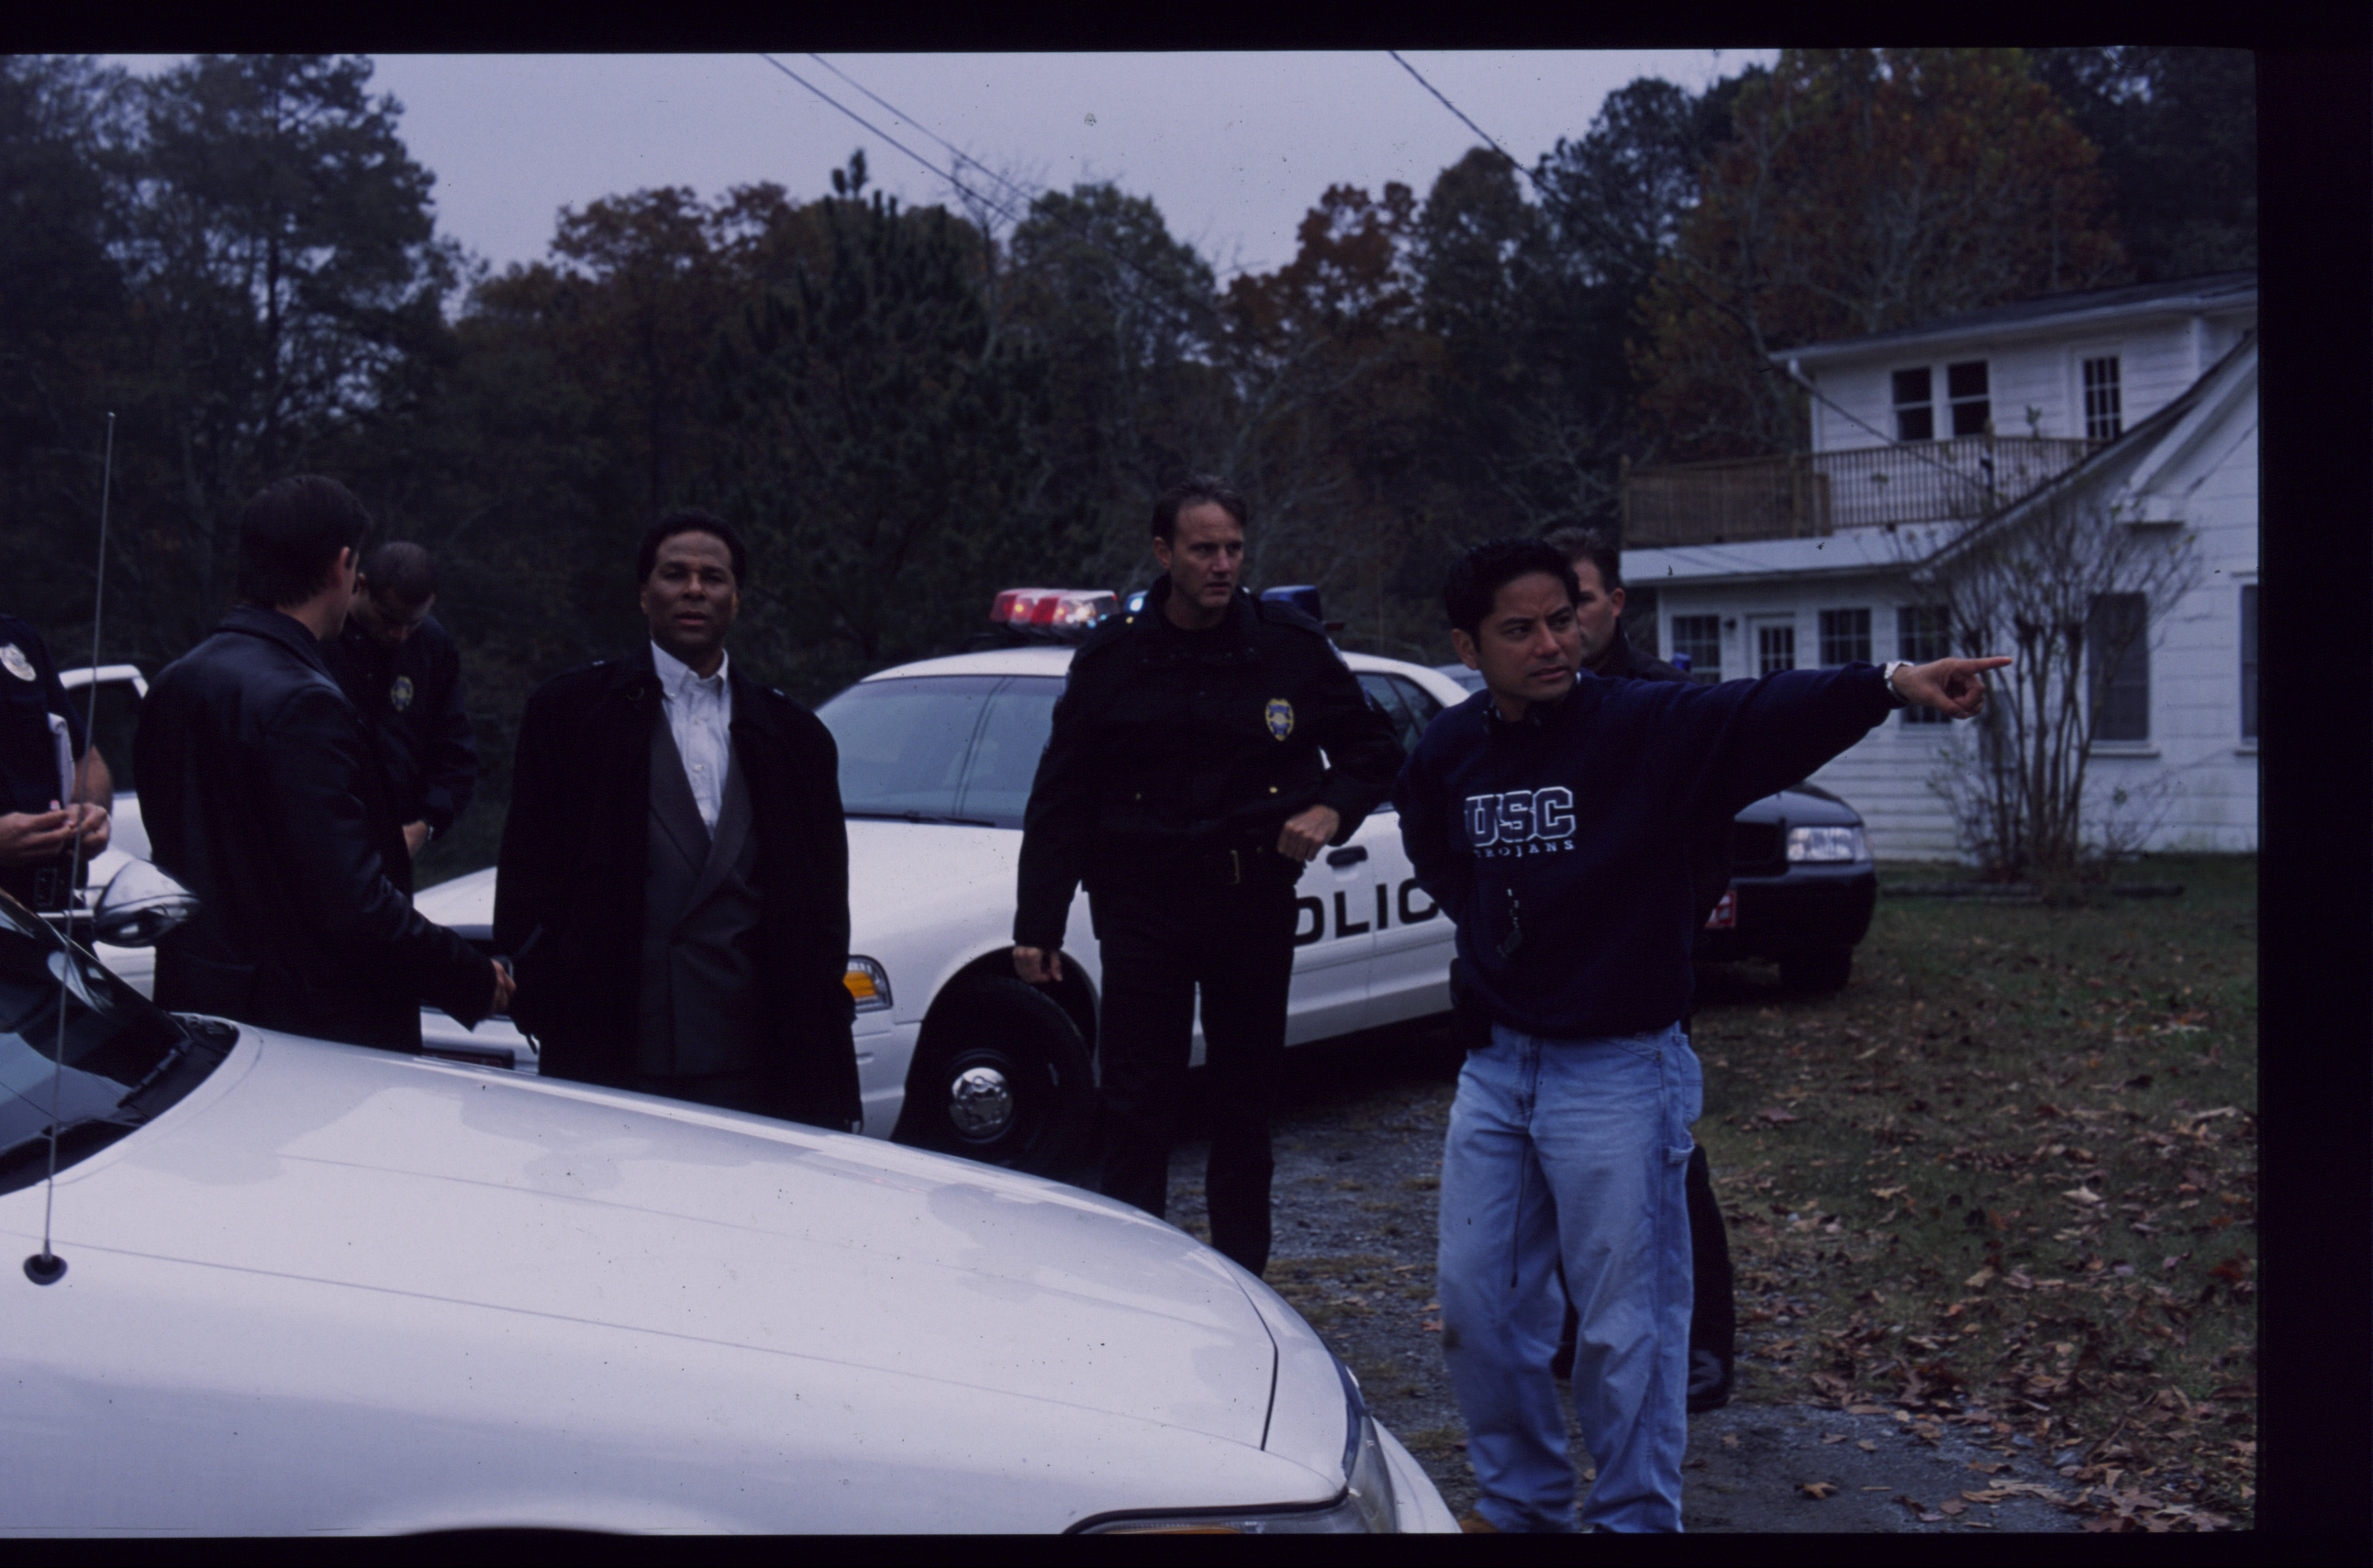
[(699, 714)]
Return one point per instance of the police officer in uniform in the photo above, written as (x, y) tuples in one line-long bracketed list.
[(41, 808), (1184, 784), (400, 669)]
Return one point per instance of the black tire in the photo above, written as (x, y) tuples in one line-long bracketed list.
[(1817, 969), (1000, 1076)]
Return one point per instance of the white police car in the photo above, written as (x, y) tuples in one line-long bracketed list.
[(281, 1287), (954, 1052)]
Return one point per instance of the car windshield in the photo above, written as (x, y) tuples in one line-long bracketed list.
[(124, 1060), (941, 748)]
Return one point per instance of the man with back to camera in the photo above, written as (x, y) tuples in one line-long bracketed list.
[(675, 871), (262, 797), (401, 671), (1184, 783), (1550, 814), (53, 785), (1603, 650)]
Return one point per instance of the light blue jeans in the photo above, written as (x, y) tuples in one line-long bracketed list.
[(1571, 1149)]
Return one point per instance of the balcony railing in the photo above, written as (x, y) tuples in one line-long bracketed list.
[(1818, 493)]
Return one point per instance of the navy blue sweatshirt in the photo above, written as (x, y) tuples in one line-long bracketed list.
[(1559, 843)]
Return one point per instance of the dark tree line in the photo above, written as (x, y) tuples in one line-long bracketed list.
[(908, 408)]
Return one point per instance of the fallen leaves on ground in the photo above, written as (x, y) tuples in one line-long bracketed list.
[(1995, 1203)]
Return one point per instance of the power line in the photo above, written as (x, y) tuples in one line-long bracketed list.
[(1194, 308), (1791, 370), (961, 156), (1462, 120), (886, 136)]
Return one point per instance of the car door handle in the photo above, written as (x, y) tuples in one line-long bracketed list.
[(1350, 856)]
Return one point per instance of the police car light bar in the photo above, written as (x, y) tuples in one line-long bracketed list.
[(1052, 609)]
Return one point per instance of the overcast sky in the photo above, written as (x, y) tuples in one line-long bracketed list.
[(1233, 149)]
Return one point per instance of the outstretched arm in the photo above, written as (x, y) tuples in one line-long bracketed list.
[(1951, 686)]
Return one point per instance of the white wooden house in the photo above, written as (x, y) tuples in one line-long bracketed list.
[(2144, 399)]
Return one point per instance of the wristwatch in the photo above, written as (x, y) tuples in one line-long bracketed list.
[(1893, 695)]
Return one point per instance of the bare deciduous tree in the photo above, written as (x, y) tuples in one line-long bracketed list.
[(2072, 589)]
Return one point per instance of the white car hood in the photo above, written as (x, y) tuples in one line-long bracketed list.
[(508, 1234)]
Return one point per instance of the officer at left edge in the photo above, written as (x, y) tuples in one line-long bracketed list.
[(51, 780)]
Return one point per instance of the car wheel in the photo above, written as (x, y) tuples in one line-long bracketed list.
[(1820, 969), (1001, 1076)]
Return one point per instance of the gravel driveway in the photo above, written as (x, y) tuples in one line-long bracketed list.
[(1358, 1158)]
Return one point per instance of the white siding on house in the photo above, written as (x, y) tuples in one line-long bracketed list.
[(2202, 782), (2162, 367), (1886, 777), (2034, 366), (2194, 784)]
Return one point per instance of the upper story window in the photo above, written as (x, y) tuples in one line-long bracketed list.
[(1845, 636), (1966, 385), (1969, 400), (1698, 638), (1915, 408), (2104, 408)]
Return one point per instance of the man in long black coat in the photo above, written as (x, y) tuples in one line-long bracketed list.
[(673, 884), (261, 795)]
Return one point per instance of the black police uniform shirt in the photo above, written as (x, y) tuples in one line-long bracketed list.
[(410, 697), (1169, 745), (30, 692)]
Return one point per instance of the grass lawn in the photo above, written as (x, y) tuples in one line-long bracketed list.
[(2007, 1180)]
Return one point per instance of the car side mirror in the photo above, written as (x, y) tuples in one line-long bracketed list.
[(139, 905)]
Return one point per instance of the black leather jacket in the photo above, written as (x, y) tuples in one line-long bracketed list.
[(261, 795)]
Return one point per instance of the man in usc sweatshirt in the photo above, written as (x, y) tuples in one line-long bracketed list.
[(1552, 816)]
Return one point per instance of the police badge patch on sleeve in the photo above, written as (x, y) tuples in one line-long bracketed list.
[(399, 695), (22, 668), (1280, 718)]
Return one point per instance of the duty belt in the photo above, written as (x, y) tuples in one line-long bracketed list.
[(1250, 864)]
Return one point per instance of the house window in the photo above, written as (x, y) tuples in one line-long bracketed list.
[(1775, 649), (2118, 655), (1967, 395), (1698, 638), (2248, 661), (2104, 411), (1973, 409), (1915, 411), (1922, 633), (1845, 636)]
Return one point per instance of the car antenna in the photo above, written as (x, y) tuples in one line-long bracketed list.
[(46, 1268)]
